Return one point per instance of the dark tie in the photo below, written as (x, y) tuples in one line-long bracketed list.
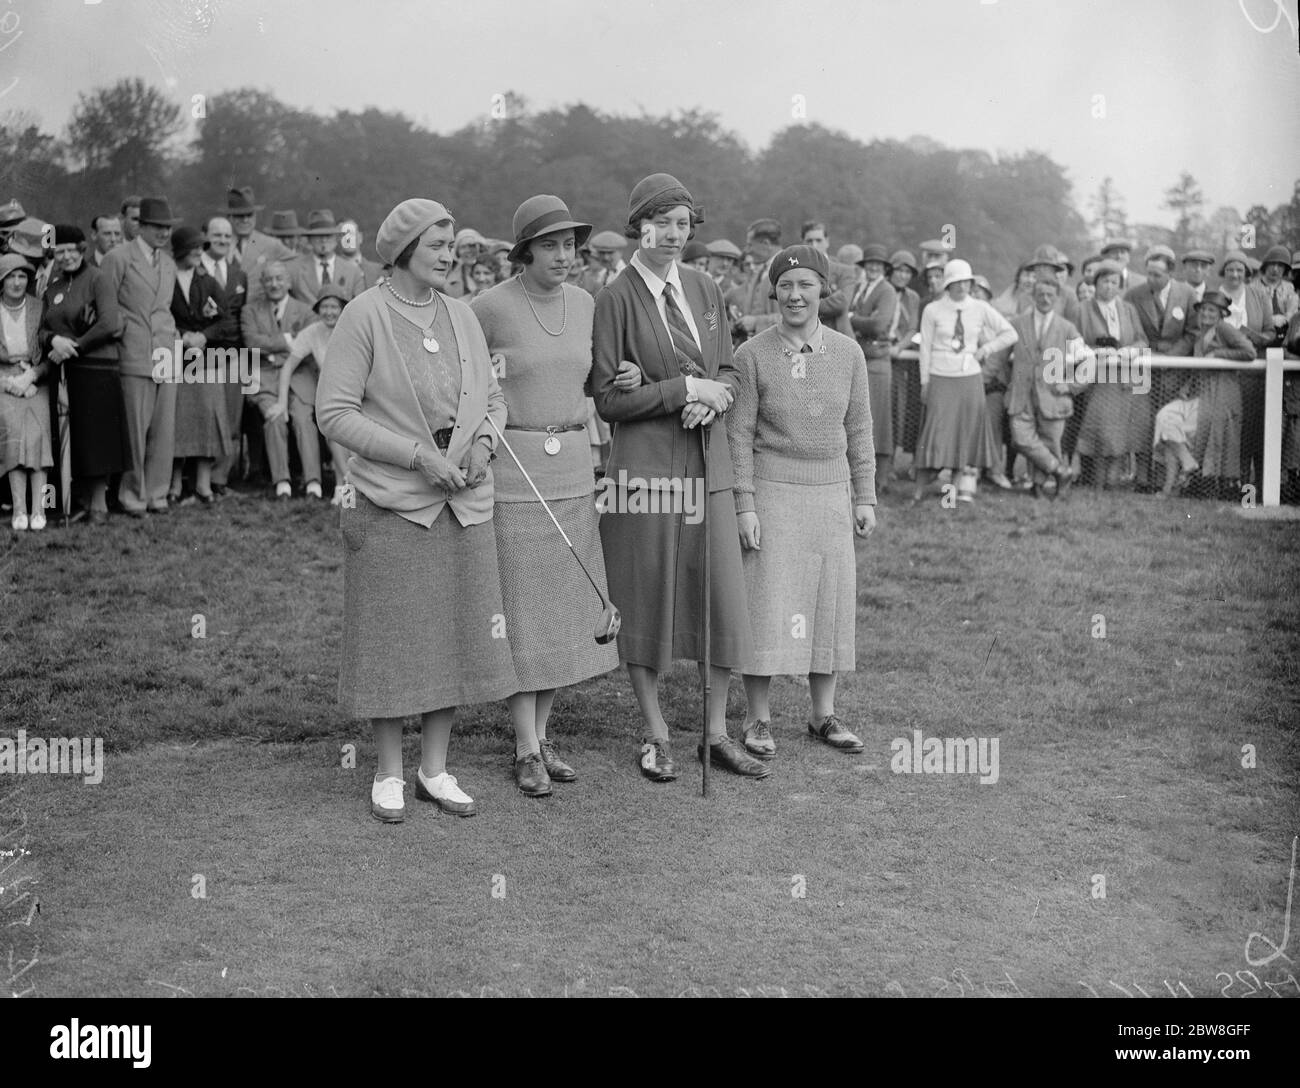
[(276, 310), (1160, 313), (689, 358), (806, 349), (324, 273), (959, 332)]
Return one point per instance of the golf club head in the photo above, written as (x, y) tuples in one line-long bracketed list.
[(607, 627)]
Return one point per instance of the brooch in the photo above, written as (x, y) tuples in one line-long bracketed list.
[(712, 318)]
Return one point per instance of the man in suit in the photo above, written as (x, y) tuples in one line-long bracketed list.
[(308, 275), (1196, 266), (142, 278), (252, 248), (750, 304), (350, 239), (105, 233), (871, 311), (834, 308), (269, 326), (1039, 400), (1120, 250), (219, 263), (606, 260)]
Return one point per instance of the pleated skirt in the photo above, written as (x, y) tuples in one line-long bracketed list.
[(551, 609), (423, 622), (801, 583), (655, 565), (955, 433)]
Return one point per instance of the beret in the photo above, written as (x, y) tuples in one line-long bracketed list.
[(799, 257), (68, 234), (652, 189), (405, 223)]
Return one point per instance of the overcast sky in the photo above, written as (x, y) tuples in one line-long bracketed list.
[(1135, 89)]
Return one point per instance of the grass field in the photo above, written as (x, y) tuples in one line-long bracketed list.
[(1120, 757)]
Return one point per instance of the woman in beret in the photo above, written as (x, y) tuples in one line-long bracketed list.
[(1200, 430), (26, 451), (538, 329), (671, 322), (1116, 422), (801, 443), (958, 332), (78, 334), (407, 386), (203, 430)]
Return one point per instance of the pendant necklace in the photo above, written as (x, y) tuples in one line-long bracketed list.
[(430, 343)]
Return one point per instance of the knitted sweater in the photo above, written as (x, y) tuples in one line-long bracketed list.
[(801, 419), (543, 379)]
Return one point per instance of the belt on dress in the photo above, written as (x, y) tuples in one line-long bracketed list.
[(550, 430)]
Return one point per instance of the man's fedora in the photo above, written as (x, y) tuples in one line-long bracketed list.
[(321, 222), (544, 214), (11, 214), (284, 225), (156, 212), (1118, 243), (240, 202), (1047, 255)]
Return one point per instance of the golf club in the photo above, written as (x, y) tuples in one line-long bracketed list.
[(707, 611), (607, 627)]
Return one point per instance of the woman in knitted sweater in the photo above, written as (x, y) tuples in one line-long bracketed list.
[(802, 447)]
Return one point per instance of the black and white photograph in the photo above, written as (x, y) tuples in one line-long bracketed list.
[(651, 500)]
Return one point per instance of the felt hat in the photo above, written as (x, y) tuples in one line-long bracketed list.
[(983, 281), (330, 290), (68, 234), (468, 236), (654, 188), (799, 256), (543, 214), (875, 252), (1203, 255), (1118, 243), (1047, 255), (1163, 251), (693, 251), (903, 259), (156, 212), (1214, 298), (321, 223), (1104, 268), (405, 223), (11, 214), (185, 239), (721, 247), (608, 239), (28, 239), (1234, 255), (955, 271), (498, 245), (14, 262), (240, 201), (284, 225), (1277, 255), (849, 253)]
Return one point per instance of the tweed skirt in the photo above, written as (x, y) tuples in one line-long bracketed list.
[(879, 392), (202, 425), (550, 608), (655, 564), (96, 417), (423, 623), (955, 433), (24, 428), (802, 582)]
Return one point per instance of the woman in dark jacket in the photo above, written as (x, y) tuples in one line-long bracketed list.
[(671, 322), (77, 334)]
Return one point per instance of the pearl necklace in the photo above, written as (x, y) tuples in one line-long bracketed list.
[(564, 320), (429, 301)]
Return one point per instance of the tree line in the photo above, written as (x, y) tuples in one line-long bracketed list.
[(132, 138)]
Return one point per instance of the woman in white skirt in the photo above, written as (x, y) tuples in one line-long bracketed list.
[(958, 332), (804, 457), (538, 329)]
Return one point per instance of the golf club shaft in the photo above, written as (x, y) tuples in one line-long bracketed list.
[(707, 617), (548, 510)]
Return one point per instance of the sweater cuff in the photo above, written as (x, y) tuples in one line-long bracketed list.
[(744, 502), (864, 490)]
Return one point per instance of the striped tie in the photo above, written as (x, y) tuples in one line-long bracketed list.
[(689, 359)]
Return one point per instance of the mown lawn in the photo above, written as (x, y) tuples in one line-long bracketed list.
[(1120, 757)]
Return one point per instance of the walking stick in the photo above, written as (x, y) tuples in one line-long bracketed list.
[(707, 611)]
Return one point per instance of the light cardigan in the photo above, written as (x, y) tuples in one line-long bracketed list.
[(982, 327), (365, 401), (773, 431)]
